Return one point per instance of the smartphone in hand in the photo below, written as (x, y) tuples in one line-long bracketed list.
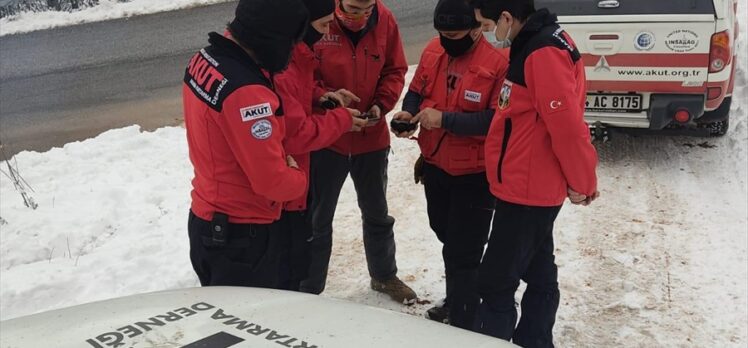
[(370, 118)]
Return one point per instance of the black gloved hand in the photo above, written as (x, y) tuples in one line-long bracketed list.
[(418, 170)]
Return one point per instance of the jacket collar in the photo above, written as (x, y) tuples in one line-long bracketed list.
[(535, 23), (230, 48)]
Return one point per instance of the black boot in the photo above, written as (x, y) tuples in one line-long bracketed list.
[(439, 313)]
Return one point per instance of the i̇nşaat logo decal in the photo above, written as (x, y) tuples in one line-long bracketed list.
[(682, 40)]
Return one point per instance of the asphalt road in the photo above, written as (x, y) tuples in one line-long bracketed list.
[(72, 83)]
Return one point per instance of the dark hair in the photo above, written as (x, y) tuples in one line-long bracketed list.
[(492, 9)]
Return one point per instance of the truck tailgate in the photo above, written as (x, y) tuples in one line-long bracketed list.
[(670, 57), (633, 49)]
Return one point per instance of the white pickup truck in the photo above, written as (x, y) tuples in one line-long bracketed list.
[(655, 64)]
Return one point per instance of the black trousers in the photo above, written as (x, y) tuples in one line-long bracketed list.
[(460, 210), (295, 260), (329, 170), (520, 248), (251, 255)]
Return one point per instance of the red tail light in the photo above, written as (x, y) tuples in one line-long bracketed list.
[(682, 116), (719, 55)]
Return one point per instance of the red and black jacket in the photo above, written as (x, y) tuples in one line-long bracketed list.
[(539, 144), (235, 133), (373, 69)]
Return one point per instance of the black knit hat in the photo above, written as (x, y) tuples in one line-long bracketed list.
[(263, 21), (454, 15), (319, 8)]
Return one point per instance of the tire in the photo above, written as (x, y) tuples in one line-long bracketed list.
[(719, 128), (717, 121)]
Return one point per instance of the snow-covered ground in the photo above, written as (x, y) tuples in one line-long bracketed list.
[(105, 10), (660, 260)]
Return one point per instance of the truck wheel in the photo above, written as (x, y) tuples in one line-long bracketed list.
[(717, 121), (719, 128)]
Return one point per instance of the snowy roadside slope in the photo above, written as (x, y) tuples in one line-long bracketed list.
[(111, 221), (660, 260), (105, 10)]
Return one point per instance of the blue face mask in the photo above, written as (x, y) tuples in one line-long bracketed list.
[(491, 37)]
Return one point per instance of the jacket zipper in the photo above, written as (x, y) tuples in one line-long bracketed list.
[(366, 73), (441, 140), (366, 55), (355, 78), (504, 144)]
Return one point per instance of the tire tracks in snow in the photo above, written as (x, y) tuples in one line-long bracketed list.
[(635, 256)]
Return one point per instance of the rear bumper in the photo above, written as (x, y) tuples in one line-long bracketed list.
[(664, 106)]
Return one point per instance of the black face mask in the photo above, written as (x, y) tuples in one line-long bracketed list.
[(312, 36), (458, 47), (273, 56)]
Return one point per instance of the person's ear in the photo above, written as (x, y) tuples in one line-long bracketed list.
[(507, 18)]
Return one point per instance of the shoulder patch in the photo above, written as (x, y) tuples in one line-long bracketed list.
[(204, 78), (216, 71), (256, 112), (262, 130), (555, 104), (505, 95)]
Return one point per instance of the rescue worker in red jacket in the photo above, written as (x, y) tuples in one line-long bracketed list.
[(307, 131), (362, 54), (454, 96), (235, 132), (538, 153)]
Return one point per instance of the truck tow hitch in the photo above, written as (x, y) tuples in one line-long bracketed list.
[(598, 132)]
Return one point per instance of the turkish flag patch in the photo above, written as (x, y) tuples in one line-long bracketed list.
[(554, 105)]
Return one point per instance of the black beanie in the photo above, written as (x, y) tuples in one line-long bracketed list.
[(454, 15), (319, 8), (263, 21)]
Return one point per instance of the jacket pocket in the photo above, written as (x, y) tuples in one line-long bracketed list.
[(430, 142), (423, 82), (504, 145), (464, 152), (477, 86)]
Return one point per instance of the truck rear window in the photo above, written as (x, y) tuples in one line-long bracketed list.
[(626, 7)]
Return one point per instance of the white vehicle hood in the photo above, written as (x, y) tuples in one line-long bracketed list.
[(221, 317)]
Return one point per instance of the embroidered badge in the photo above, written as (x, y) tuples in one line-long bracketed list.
[(506, 93), (256, 112), (262, 129)]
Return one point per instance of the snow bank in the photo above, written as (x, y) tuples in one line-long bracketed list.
[(105, 10), (111, 221)]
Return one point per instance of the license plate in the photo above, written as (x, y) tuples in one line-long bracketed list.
[(614, 102)]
